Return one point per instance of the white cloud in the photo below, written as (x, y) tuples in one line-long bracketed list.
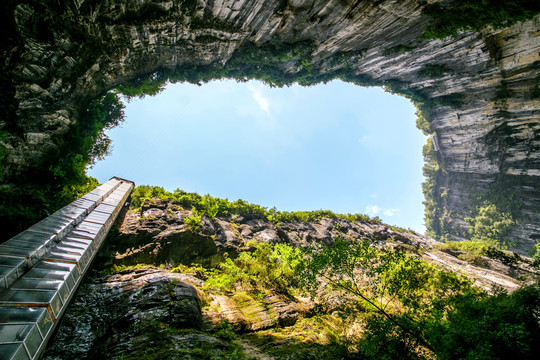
[(374, 195), (372, 210), (390, 212), (263, 102)]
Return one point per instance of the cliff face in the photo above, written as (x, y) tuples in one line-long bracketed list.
[(160, 234), (480, 86), (154, 312)]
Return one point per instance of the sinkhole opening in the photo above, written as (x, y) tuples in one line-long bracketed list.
[(334, 146)]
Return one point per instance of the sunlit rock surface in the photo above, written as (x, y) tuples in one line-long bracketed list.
[(65, 52), (157, 235), (152, 312)]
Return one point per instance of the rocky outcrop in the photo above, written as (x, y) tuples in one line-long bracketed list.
[(127, 310), (484, 113), (152, 313), (157, 235), (108, 314)]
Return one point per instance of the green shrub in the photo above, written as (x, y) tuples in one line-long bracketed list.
[(478, 326), (194, 220), (433, 71), (489, 225), (415, 311), (474, 250), (535, 253), (212, 207), (476, 15), (267, 267)]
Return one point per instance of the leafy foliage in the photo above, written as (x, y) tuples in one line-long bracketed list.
[(194, 220), (536, 254), (212, 207), (385, 281), (142, 86), (268, 267), (416, 311), (65, 179), (494, 214), (476, 15), (433, 71), (489, 225), (478, 326), (473, 251), (407, 308), (433, 193)]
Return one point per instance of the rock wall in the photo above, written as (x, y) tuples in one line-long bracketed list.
[(484, 112), (158, 235), (133, 311)]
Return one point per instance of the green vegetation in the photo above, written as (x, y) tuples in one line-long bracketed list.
[(476, 15), (213, 207), (494, 213), (415, 311), (401, 306), (65, 179), (87, 142), (399, 49), (473, 251), (489, 224), (142, 86), (535, 253), (266, 268), (433, 71), (194, 220), (434, 194)]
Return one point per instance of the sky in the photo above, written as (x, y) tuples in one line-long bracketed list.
[(335, 146)]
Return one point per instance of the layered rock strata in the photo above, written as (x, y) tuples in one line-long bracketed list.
[(484, 115), (153, 312), (158, 235)]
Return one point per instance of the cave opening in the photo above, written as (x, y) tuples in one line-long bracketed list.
[(333, 146)]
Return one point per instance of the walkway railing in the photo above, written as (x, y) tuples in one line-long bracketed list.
[(42, 267)]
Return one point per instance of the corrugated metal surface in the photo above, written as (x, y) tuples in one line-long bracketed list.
[(41, 268)]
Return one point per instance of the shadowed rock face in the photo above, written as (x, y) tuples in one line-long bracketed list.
[(146, 312), (157, 235), (483, 112)]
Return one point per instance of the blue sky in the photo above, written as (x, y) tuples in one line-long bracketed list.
[(337, 146)]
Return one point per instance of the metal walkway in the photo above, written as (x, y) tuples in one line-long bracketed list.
[(41, 268)]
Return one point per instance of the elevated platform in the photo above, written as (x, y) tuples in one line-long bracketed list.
[(42, 267)]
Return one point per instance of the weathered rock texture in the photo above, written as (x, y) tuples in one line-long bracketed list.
[(150, 312), (64, 53), (155, 313), (157, 235), (108, 314)]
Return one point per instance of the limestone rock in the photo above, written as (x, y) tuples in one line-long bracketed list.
[(60, 54)]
